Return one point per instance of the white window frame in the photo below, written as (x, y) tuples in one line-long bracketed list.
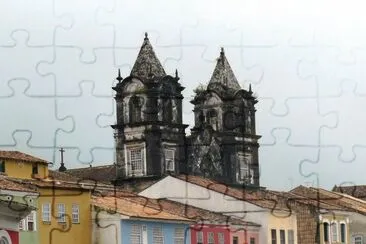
[(171, 159), (334, 223), (135, 234), (179, 235), (243, 167), (31, 217), (157, 233), (292, 236), (340, 231), (221, 238), (46, 214), (61, 213), (75, 213), (128, 149), (210, 238), (357, 236), (199, 235), (284, 235)]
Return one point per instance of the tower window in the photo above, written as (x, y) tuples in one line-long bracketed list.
[(135, 161), (168, 111), (243, 168), (169, 159), (212, 119), (135, 105)]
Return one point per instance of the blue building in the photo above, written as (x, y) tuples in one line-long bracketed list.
[(121, 220)]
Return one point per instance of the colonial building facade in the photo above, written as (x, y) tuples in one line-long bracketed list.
[(150, 135)]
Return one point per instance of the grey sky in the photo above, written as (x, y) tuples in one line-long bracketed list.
[(59, 61)]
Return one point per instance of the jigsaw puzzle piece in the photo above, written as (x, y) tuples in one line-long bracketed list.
[(329, 167), (85, 108), (67, 83), (37, 19), (40, 108), (209, 35), (289, 168), (86, 32), (349, 123), (284, 75), (16, 68), (179, 14), (22, 142), (301, 134), (325, 69)]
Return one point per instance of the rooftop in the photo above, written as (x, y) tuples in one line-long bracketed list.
[(19, 156)]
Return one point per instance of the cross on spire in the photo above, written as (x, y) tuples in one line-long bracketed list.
[(62, 167)]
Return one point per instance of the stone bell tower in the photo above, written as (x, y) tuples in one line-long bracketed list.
[(223, 144), (149, 133)]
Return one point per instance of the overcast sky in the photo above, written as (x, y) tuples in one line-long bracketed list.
[(305, 61)]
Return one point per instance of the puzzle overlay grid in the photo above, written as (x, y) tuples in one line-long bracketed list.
[(60, 59)]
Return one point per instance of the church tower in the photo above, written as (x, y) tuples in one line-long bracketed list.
[(149, 133), (223, 144)]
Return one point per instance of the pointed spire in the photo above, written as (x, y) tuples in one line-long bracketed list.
[(119, 77), (176, 73), (147, 63), (223, 73), (250, 88)]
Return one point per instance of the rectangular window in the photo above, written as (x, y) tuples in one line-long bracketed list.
[(46, 212), (157, 232), (61, 213), (235, 240), (135, 158), (252, 240), (290, 237), (2, 166), (221, 237), (357, 239), (199, 237), (136, 234), (169, 159), (210, 238), (274, 236), (30, 221), (282, 237), (75, 213), (179, 234), (21, 224), (334, 232), (244, 168)]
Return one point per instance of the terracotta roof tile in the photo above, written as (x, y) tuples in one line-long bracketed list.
[(105, 173), (133, 209), (260, 197), (10, 185), (15, 155), (358, 191), (343, 201), (56, 175), (176, 208)]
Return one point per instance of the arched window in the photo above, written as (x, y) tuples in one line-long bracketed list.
[(135, 105), (167, 111), (212, 119), (326, 232)]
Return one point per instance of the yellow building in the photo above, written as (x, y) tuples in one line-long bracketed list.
[(64, 215)]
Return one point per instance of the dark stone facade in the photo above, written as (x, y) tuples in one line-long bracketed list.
[(150, 135)]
